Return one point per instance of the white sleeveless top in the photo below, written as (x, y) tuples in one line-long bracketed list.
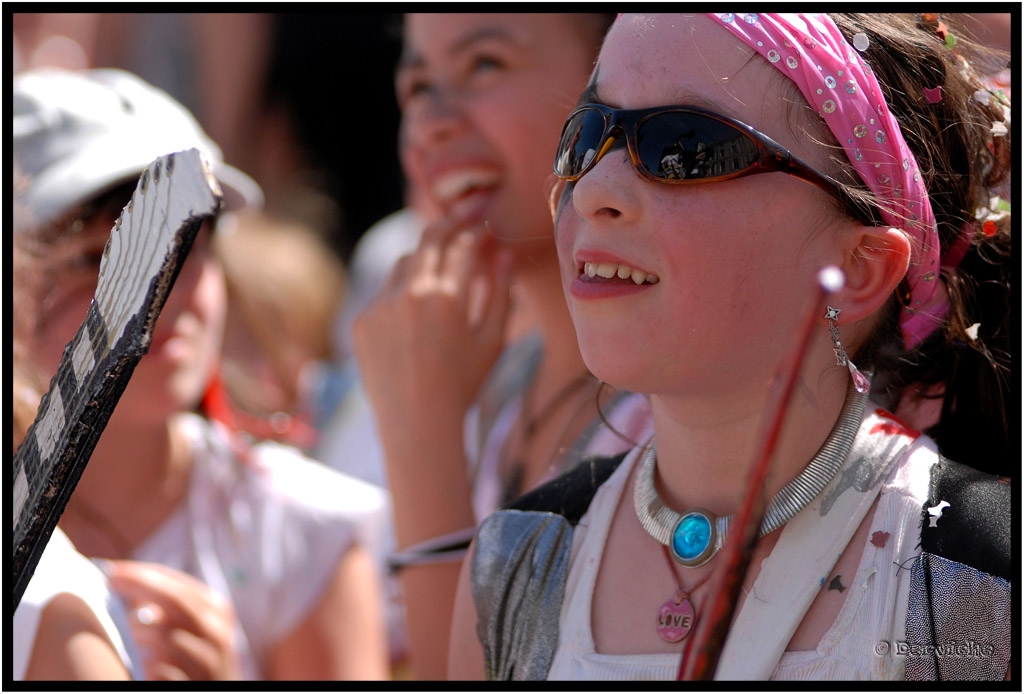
[(871, 622), (266, 533)]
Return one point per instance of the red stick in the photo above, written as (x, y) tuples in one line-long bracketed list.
[(704, 647)]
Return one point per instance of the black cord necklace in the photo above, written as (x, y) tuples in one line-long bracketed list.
[(515, 467)]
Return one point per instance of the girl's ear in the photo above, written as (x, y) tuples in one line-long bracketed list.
[(873, 269)]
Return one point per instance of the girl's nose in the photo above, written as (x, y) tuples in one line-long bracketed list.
[(435, 118), (609, 189)]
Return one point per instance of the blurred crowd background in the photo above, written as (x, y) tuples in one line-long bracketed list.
[(302, 102), (305, 104)]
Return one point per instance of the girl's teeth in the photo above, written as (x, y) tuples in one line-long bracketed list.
[(611, 270)]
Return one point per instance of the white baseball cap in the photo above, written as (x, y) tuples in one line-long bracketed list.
[(79, 133)]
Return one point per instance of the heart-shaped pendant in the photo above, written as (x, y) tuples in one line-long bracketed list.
[(675, 618)]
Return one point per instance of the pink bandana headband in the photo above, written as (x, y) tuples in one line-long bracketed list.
[(810, 50)]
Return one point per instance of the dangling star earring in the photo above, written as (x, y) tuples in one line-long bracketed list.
[(860, 381)]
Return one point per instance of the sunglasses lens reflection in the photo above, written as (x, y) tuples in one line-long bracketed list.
[(581, 139), (680, 146), (671, 146)]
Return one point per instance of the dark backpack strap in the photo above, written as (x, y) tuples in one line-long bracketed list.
[(975, 527), (570, 494)]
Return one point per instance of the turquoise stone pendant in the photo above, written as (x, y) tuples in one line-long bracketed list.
[(694, 539)]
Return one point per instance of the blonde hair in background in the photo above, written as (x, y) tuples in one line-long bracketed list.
[(285, 285)]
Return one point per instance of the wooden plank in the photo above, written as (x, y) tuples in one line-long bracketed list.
[(143, 257)]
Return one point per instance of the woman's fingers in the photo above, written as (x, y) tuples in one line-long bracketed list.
[(172, 652), (186, 600), (448, 261), (434, 242), (464, 260), (184, 628), (438, 327)]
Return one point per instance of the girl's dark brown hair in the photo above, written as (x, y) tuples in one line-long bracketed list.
[(964, 164)]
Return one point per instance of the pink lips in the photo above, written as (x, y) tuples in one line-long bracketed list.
[(583, 287)]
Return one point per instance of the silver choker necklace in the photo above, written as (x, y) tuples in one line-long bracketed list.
[(696, 536)]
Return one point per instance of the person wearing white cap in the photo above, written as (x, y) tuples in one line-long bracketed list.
[(279, 543), (76, 134)]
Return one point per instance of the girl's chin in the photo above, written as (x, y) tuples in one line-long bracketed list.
[(618, 374)]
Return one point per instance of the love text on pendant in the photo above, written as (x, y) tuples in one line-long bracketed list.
[(675, 619)]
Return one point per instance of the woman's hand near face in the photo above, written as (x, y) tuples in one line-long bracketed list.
[(184, 629), (425, 347), (430, 338)]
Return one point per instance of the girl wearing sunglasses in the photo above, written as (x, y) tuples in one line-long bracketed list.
[(743, 192)]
